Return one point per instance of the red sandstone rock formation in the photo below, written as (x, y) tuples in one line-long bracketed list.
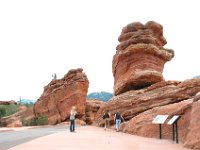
[(8, 102), (15, 120), (142, 124), (134, 102), (60, 95), (140, 57), (193, 134), (139, 107), (92, 106), (140, 92)]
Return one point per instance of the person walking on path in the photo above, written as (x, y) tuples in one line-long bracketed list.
[(118, 118), (72, 119), (106, 118)]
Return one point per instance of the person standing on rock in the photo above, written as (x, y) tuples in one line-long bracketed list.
[(54, 76), (72, 119), (106, 118), (118, 118)]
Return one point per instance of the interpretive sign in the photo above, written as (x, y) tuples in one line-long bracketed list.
[(173, 119), (174, 122), (160, 119)]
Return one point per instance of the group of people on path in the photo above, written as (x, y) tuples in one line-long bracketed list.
[(117, 119)]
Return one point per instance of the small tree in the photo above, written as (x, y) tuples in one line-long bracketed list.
[(2, 111)]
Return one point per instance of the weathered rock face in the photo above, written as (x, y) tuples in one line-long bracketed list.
[(140, 57), (8, 102), (142, 124), (60, 95), (140, 107), (193, 136), (15, 120), (92, 106), (134, 102)]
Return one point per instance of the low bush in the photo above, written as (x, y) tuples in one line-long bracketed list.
[(7, 110), (36, 121)]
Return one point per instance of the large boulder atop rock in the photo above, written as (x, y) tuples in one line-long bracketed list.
[(61, 94), (140, 57)]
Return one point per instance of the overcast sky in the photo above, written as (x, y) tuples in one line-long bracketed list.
[(42, 37)]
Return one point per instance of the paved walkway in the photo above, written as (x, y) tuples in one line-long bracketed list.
[(94, 138)]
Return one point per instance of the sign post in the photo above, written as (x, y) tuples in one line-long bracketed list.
[(160, 119), (174, 122)]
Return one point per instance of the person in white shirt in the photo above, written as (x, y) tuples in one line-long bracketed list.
[(72, 119)]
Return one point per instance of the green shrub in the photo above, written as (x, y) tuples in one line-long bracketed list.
[(2, 111), (25, 122), (7, 110), (42, 120)]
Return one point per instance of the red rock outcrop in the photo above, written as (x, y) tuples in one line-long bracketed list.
[(92, 106), (15, 120), (142, 124), (134, 102), (60, 95), (193, 136), (140, 57), (8, 102)]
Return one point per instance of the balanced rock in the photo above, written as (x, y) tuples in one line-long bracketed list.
[(140, 57)]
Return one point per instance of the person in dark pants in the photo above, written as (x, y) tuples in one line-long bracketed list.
[(106, 118), (72, 119)]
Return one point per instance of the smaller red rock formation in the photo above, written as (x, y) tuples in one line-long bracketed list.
[(60, 95), (92, 106), (140, 57), (15, 120), (8, 102)]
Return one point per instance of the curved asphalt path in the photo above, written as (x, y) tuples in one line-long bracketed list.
[(12, 138)]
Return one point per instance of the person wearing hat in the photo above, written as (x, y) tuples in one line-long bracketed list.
[(72, 119)]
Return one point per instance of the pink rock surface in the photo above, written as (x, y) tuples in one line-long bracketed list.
[(193, 136)]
